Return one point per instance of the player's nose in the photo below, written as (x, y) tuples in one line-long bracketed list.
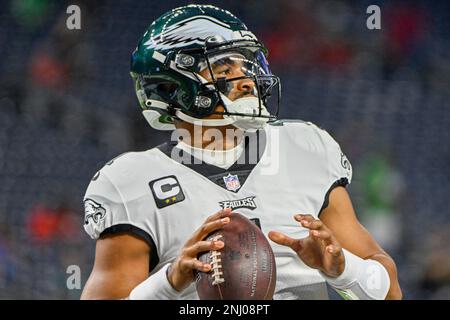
[(246, 85)]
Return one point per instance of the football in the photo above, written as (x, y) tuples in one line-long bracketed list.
[(244, 269)]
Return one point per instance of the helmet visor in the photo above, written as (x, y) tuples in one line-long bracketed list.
[(227, 67)]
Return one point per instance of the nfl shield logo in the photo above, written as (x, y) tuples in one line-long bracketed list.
[(232, 182)]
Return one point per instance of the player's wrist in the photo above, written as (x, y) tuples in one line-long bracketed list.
[(171, 278), (155, 287), (336, 271), (349, 272), (361, 279)]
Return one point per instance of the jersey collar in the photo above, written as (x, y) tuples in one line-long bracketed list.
[(253, 148)]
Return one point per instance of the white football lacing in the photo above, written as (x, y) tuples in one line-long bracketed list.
[(216, 266)]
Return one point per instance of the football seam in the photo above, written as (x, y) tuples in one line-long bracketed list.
[(220, 292), (217, 267), (270, 279)]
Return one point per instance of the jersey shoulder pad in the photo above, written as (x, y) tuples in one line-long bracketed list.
[(283, 122), (340, 168), (103, 206), (311, 138), (106, 201), (128, 167), (299, 132)]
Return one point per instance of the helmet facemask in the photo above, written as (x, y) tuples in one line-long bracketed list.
[(224, 68)]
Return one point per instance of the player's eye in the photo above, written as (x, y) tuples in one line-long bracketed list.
[(223, 71)]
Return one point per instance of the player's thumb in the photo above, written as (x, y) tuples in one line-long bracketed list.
[(281, 238)]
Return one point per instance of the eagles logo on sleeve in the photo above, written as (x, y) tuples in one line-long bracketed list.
[(346, 165), (94, 211)]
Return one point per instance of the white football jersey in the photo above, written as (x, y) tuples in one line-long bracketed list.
[(164, 194)]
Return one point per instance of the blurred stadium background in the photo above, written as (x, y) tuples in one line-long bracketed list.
[(67, 106)]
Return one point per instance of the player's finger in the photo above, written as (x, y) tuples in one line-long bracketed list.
[(202, 246), (209, 227), (334, 249), (284, 240), (312, 225), (304, 217), (218, 215), (194, 264), (324, 235)]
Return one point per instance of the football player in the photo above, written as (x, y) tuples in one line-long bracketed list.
[(199, 71)]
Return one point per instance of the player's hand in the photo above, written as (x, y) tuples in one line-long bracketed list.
[(181, 273), (320, 250)]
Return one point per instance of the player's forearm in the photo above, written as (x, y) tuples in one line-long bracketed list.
[(100, 291), (395, 292), (104, 285), (155, 287)]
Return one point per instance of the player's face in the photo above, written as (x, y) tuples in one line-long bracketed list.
[(231, 67)]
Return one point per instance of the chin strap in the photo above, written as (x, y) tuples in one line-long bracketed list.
[(204, 122), (247, 105), (250, 107), (152, 117)]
